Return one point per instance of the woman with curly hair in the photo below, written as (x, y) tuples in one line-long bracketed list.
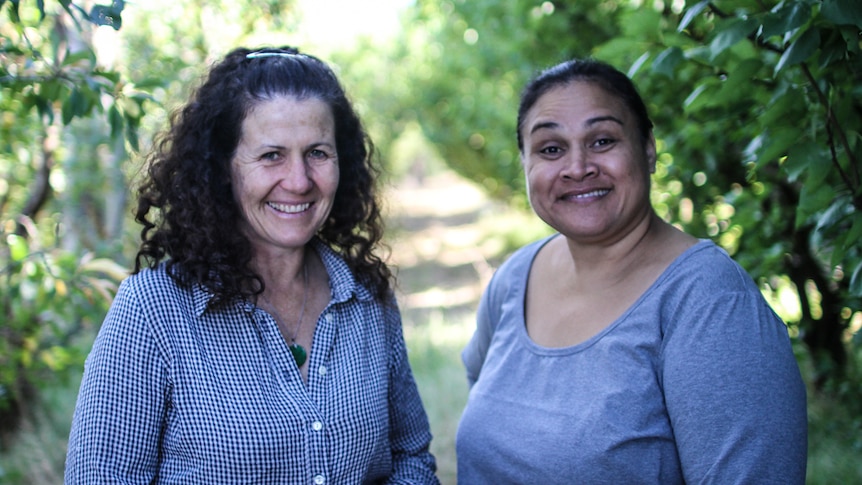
[(258, 339)]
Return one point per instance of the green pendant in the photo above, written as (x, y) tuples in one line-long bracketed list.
[(299, 354)]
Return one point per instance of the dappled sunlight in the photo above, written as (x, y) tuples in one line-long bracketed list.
[(441, 333), (439, 195), (437, 297), (437, 243)]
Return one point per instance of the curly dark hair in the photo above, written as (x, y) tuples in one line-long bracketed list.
[(186, 203)]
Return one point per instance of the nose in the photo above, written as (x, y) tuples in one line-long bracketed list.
[(577, 165), (294, 176)]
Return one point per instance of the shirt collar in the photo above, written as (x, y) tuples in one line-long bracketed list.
[(342, 283)]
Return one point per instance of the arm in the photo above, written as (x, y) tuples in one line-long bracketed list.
[(121, 403), (409, 432), (734, 392), (473, 355)]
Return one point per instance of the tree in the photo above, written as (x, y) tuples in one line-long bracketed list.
[(774, 91), (49, 79), (757, 110)]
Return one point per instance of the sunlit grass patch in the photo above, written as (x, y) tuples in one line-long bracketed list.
[(435, 355)]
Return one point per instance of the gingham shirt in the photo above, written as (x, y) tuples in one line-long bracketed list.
[(174, 392)]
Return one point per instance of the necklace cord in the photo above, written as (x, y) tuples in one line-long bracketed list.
[(298, 351), (304, 300)]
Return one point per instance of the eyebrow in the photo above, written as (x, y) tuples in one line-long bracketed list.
[(589, 122), (276, 146)]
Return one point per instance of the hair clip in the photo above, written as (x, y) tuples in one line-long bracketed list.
[(255, 55)]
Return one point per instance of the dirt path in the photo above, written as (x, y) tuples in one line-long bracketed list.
[(437, 246)]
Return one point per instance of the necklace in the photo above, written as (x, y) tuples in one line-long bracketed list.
[(300, 355)]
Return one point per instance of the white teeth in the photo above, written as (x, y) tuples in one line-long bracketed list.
[(290, 208), (594, 193)]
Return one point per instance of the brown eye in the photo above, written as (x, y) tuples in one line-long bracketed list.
[(603, 142), (551, 151)]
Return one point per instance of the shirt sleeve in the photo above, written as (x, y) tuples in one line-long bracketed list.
[(473, 355), (733, 390), (410, 433), (121, 403), (506, 286)]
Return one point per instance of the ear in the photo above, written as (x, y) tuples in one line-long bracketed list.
[(651, 152)]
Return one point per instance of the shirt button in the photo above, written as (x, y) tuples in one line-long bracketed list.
[(317, 425), (321, 370), (319, 480), (329, 317)]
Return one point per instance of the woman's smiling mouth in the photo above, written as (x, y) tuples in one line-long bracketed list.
[(290, 208)]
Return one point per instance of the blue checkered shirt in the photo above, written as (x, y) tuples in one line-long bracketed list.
[(174, 392)]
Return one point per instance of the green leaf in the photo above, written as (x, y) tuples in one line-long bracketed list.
[(856, 282), (18, 249), (695, 100), (116, 121), (739, 79), (691, 13), (818, 171), (776, 144), (13, 12), (665, 63), (832, 216), (845, 240), (800, 157), (74, 105), (51, 89), (132, 135), (842, 12), (782, 107), (731, 33), (636, 66), (82, 55), (800, 50), (812, 198), (785, 19)]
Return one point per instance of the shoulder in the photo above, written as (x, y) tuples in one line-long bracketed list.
[(708, 265), (154, 283), (705, 284), (156, 290), (509, 280), (517, 266), (512, 274)]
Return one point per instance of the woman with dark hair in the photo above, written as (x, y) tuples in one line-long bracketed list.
[(258, 339), (620, 350)]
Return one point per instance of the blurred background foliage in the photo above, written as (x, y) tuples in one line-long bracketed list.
[(757, 106)]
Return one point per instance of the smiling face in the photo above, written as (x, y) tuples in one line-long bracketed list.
[(285, 172), (586, 164)]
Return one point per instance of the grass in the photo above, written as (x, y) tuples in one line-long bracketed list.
[(834, 427), (434, 350), (36, 454)]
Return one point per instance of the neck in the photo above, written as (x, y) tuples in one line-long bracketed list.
[(604, 264), (282, 274)]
